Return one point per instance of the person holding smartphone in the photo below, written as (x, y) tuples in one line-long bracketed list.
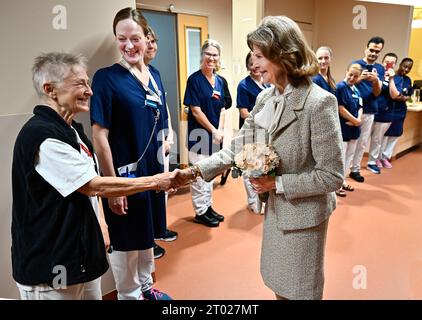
[(400, 91), (384, 117), (370, 84)]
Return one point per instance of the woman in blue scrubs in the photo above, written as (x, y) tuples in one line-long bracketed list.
[(324, 78), (247, 91), (400, 91), (127, 113), (205, 98), (350, 110)]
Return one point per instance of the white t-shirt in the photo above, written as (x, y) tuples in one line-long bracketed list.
[(66, 170)]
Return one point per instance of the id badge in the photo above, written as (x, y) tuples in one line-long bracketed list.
[(151, 103), (216, 94), (361, 101)]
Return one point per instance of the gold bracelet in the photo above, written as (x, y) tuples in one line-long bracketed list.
[(196, 171)]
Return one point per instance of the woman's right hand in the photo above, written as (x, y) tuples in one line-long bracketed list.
[(166, 181), (118, 205)]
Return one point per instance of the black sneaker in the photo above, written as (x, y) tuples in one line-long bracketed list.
[(356, 176), (169, 236), (158, 251), (207, 220), (212, 213)]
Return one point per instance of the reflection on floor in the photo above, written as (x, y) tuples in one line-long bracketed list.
[(374, 245)]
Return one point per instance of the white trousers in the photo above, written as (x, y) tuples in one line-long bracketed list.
[(83, 291), (378, 130), (201, 190), (349, 151), (365, 133), (132, 272), (251, 194), (387, 148)]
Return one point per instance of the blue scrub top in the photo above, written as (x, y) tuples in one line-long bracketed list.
[(118, 104), (350, 100), (247, 91), (320, 81), (200, 93), (157, 77), (403, 85), (370, 101), (385, 104)]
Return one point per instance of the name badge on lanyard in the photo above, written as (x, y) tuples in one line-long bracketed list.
[(216, 94)]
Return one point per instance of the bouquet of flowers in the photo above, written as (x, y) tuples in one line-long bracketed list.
[(255, 160)]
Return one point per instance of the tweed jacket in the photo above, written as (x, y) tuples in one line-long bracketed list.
[(309, 142)]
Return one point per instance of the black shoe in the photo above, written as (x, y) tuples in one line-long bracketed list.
[(158, 251), (224, 177), (206, 220), (356, 176), (169, 236), (212, 213)]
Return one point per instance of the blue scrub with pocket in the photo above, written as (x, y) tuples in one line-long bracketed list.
[(370, 101), (320, 81), (348, 98), (119, 104), (200, 93), (404, 86), (247, 91)]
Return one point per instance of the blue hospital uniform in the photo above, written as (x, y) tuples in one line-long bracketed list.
[(349, 98), (370, 101), (200, 93), (403, 85), (118, 104), (247, 91), (320, 81)]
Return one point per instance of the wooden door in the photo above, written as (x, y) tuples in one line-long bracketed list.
[(192, 32)]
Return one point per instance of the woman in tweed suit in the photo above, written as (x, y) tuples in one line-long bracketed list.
[(301, 121)]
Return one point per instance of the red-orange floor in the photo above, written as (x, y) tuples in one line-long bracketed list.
[(374, 241)]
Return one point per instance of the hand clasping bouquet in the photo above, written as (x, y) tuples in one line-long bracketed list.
[(256, 160)]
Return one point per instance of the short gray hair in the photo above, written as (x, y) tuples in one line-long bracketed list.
[(54, 67)]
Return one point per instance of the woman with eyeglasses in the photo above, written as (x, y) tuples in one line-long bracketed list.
[(205, 98)]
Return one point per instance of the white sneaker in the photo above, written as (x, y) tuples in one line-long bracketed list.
[(262, 207)]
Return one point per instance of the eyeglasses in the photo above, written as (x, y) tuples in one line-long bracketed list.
[(374, 51), (208, 54)]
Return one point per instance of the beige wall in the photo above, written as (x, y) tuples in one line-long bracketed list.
[(299, 10), (334, 23), (26, 30)]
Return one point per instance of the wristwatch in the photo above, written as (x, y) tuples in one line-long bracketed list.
[(196, 172)]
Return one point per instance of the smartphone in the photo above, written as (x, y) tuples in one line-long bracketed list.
[(369, 67), (389, 65)]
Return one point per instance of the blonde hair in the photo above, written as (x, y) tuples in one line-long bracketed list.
[(355, 66), (282, 42), (215, 44), (331, 81)]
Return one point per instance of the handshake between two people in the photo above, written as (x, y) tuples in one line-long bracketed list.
[(171, 181)]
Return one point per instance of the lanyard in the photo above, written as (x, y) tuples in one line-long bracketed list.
[(136, 73), (86, 150)]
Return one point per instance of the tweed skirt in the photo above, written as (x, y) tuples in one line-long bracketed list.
[(292, 261)]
